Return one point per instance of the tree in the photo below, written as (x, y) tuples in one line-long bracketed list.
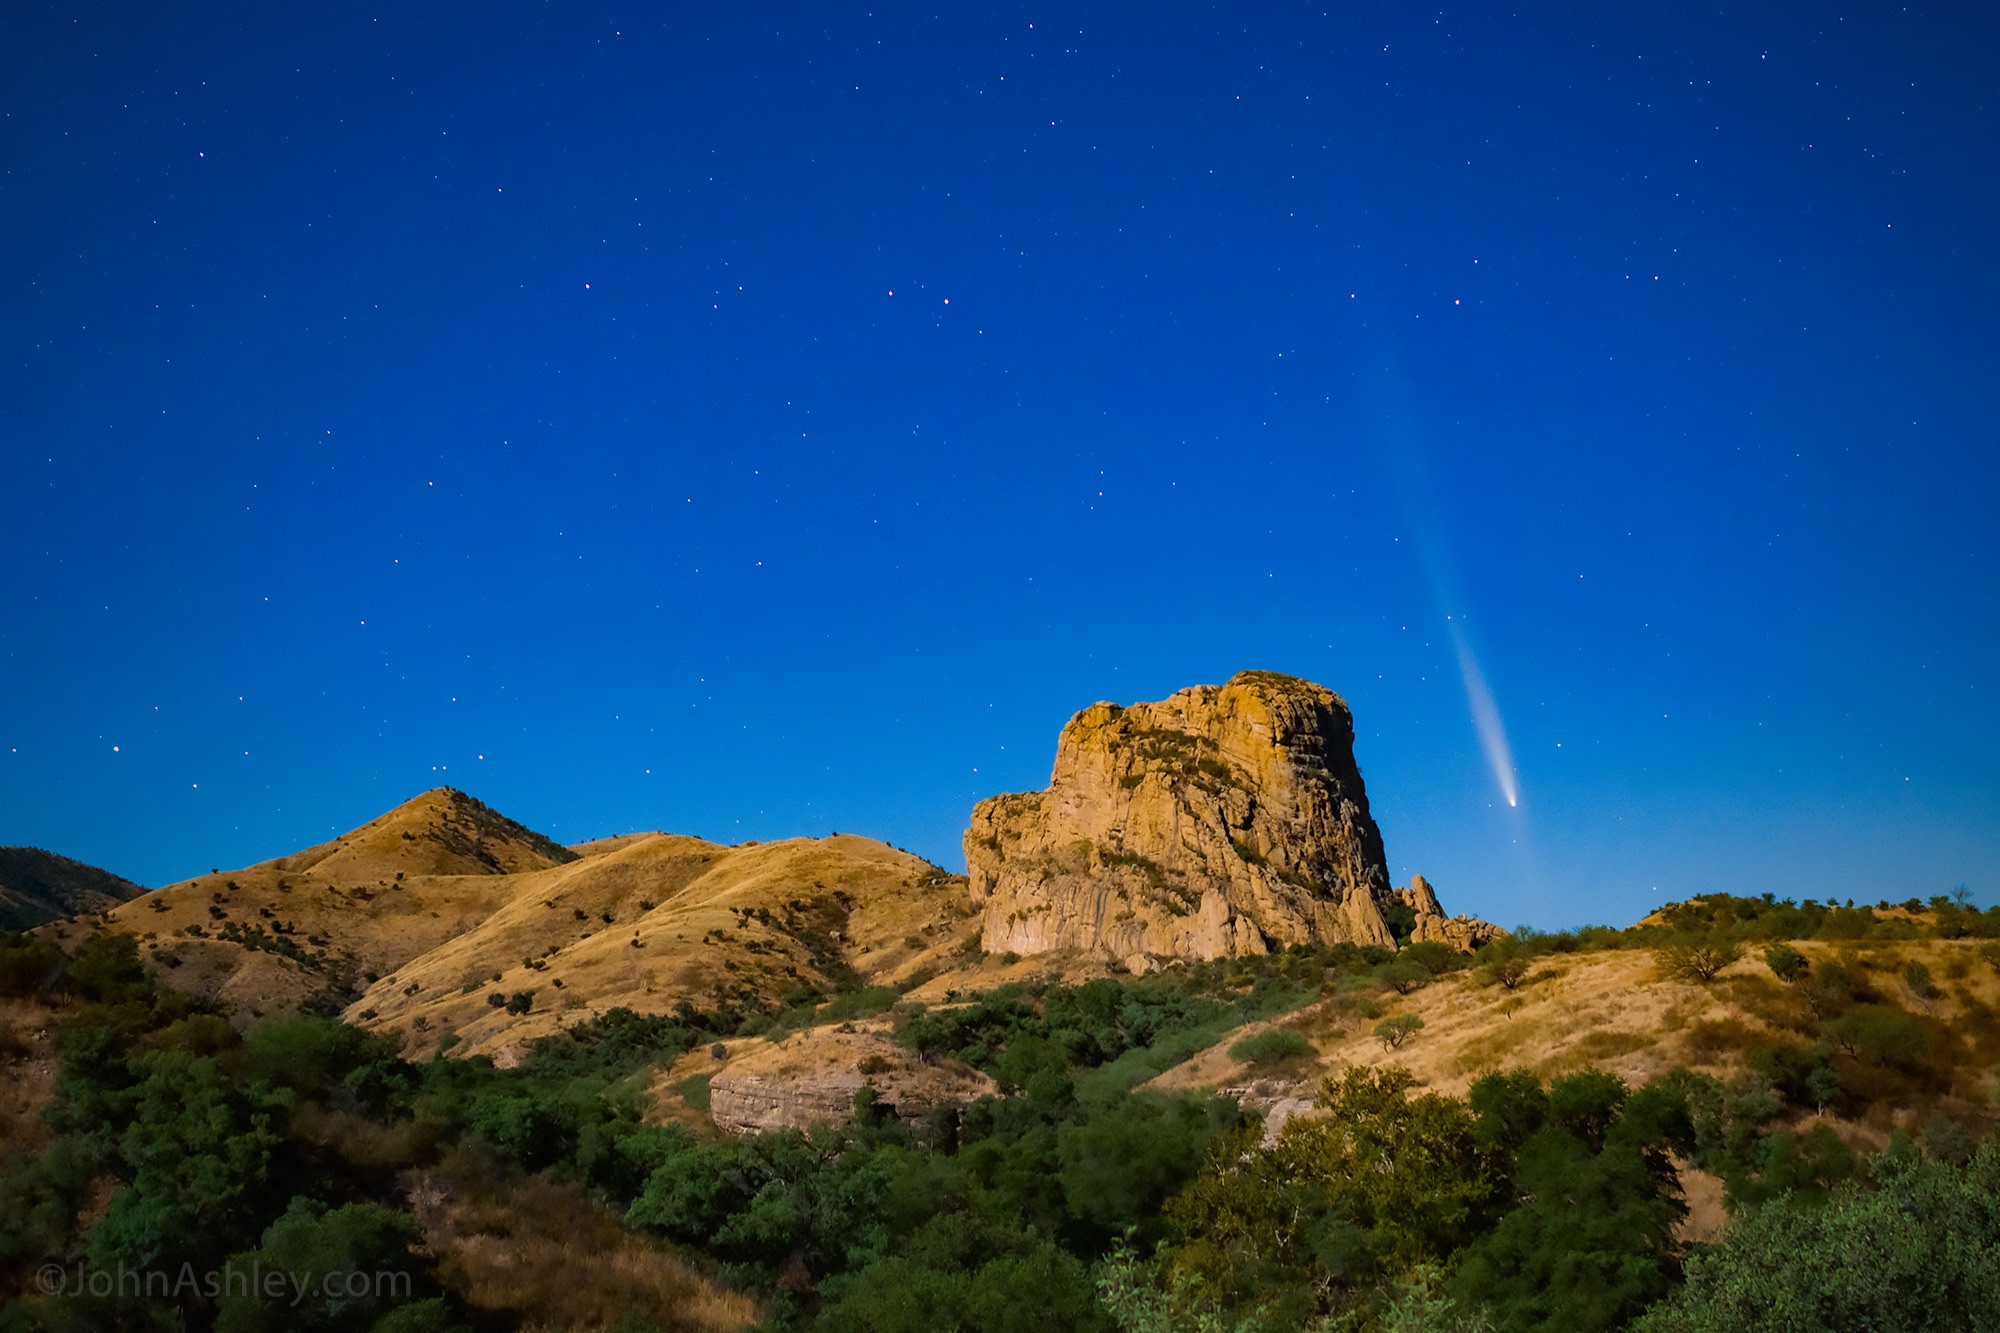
[(1138, 1305), (1697, 961), (1122, 1164), (1404, 975), (196, 1153), (1880, 1034), (1930, 1234), (1394, 1031), (1590, 1242), (1786, 963), (1383, 1180), (1503, 962), (365, 1251), (1823, 1086)]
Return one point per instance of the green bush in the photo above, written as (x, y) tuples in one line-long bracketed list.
[(1786, 963), (1272, 1047), (1920, 1251), (1881, 1034), (1392, 1032)]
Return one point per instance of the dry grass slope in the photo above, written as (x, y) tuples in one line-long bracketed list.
[(413, 920), (1615, 1010)]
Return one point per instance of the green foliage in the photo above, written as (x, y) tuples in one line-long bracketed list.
[(1392, 1032), (1403, 975), (1590, 1241), (1786, 963), (1527, 1206), (1120, 1165), (1380, 1181), (363, 1248), (1737, 1137), (1880, 1034), (1035, 1288), (1271, 1047), (1068, 1201), (1502, 962), (858, 1004), (195, 1155), (1401, 918), (30, 966), (1137, 1303), (1768, 918), (693, 1090), (1919, 1251)]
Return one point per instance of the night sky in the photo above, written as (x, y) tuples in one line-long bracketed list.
[(755, 421)]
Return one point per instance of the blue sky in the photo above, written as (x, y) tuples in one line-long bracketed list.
[(776, 422)]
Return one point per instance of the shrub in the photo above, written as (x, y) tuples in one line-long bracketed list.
[(857, 1004), (28, 965), (1880, 1034), (1697, 961), (1271, 1048), (693, 1090), (1393, 1032), (1929, 1231), (1434, 957), (1786, 963), (1404, 975)]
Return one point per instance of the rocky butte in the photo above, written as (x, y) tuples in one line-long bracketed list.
[(1222, 821)]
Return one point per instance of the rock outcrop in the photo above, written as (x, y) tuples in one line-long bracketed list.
[(812, 1078), (1461, 932), (1223, 821)]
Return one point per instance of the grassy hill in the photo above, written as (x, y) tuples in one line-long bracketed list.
[(417, 921), (38, 887)]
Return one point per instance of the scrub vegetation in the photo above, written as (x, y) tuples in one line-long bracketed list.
[(1089, 1193)]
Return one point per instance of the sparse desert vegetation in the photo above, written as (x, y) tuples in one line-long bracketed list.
[(1456, 1134)]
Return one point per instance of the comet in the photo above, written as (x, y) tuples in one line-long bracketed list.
[(1486, 717)]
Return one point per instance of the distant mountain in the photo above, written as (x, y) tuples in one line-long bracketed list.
[(37, 887)]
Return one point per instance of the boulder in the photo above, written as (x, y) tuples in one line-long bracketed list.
[(812, 1078)]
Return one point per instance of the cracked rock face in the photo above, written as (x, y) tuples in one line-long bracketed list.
[(1223, 821)]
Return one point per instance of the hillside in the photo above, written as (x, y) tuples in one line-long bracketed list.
[(38, 887), (1619, 1010), (413, 920)]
